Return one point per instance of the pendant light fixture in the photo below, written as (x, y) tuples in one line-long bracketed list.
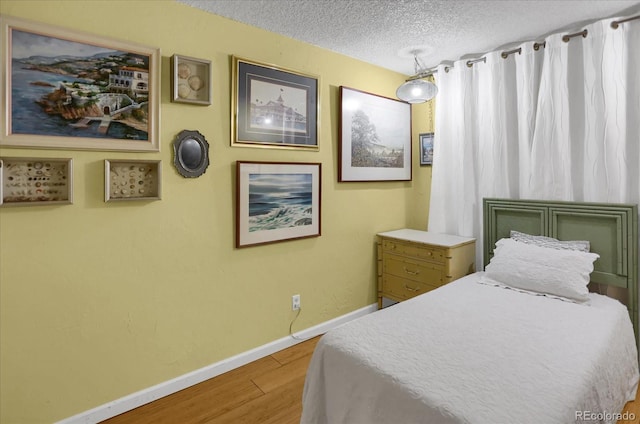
[(416, 89)]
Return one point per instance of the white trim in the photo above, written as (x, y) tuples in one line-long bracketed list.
[(142, 397)]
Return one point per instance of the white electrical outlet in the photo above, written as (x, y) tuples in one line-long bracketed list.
[(295, 302)]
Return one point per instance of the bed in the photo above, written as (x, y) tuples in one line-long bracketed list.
[(477, 352)]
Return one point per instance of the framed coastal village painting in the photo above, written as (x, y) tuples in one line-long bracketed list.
[(374, 137), (277, 201), (273, 107), (62, 89)]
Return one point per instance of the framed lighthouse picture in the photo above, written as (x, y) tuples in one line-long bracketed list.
[(273, 107)]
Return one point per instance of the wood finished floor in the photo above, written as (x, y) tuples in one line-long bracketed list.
[(633, 408), (267, 391)]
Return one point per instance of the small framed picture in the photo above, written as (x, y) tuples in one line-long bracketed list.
[(191, 80), (426, 149), (277, 201), (375, 137), (273, 107)]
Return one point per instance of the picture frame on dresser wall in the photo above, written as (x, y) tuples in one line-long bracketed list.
[(273, 107), (64, 89), (374, 137), (426, 148), (277, 201), (190, 80)]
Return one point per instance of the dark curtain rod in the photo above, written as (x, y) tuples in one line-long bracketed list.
[(616, 24), (536, 46)]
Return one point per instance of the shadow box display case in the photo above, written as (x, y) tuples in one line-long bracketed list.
[(35, 181), (132, 180)]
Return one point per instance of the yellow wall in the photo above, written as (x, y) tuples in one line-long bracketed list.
[(102, 300)]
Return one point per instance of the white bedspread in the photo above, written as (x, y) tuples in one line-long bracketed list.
[(473, 353)]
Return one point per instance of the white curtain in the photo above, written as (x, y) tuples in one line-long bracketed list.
[(558, 123)]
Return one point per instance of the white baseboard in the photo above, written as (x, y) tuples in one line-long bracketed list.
[(134, 400)]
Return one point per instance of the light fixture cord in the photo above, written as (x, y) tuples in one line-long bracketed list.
[(417, 67)]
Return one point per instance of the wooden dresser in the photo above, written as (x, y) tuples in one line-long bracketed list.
[(413, 262)]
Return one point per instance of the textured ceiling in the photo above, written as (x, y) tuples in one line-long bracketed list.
[(384, 32)]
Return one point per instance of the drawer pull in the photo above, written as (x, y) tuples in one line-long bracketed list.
[(411, 272), (411, 288)]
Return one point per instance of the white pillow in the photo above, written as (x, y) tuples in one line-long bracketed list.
[(558, 273), (551, 242)]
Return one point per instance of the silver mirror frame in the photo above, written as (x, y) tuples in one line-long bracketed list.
[(190, 153)]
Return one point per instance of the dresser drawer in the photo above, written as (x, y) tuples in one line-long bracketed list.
[(414, 270), (416, 251), (402, 288), (412, 262)]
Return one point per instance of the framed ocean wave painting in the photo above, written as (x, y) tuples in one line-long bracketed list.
[(63, 89), (277, 201)]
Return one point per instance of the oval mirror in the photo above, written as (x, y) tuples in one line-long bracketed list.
[(191, 153)]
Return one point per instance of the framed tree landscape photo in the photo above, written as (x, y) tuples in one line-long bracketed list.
[(375, 137), (62, 89), (273, 107), (277, 201)]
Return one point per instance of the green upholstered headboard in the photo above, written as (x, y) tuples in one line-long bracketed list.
[(611, 228)]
